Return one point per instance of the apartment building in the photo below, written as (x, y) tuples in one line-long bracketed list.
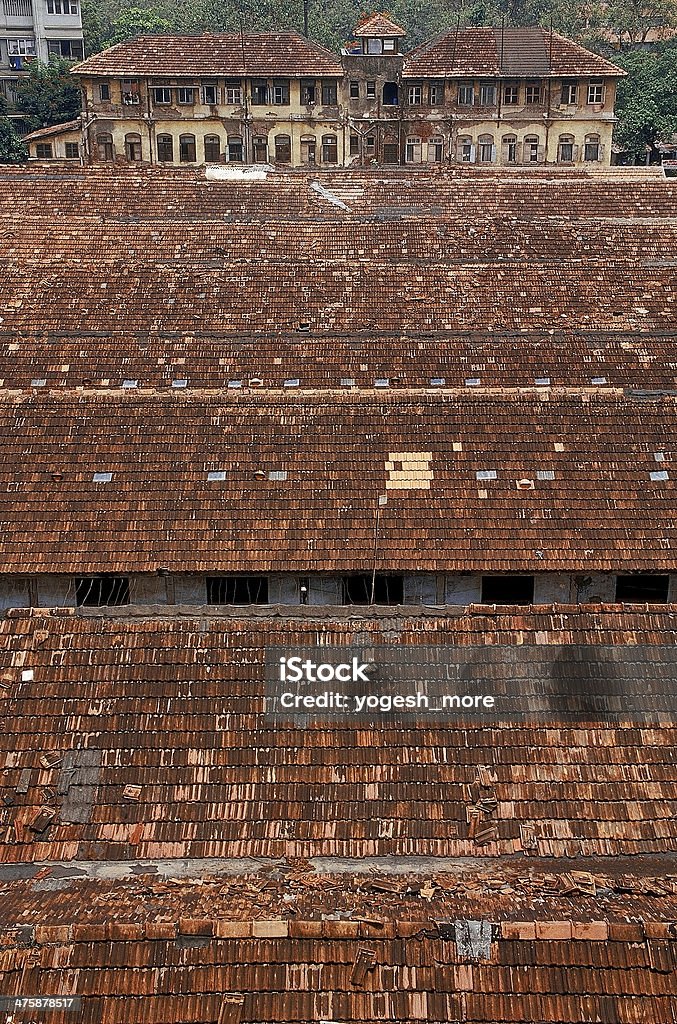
[(479, 96), (34, 30)]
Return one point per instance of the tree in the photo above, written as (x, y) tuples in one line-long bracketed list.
[(95, 26), (12, 149), (647, 99), (49, 94), (631, 21), (138, 21)]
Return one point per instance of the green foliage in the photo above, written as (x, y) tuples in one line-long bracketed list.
[(138, 21), (647, 98), (12, 149), (94, 26), (49, 94)]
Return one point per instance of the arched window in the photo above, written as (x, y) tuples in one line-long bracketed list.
[(465, 149), (308, 149), (283, 149), (435, 149), (260, 143), (565, 149), (165, 149), (412, 152), (104, 145), (509, 149), (212, 149), (133, 147), (592, 148), (531, 149), (329, 149), (486, 149), (187, 149), (235, 149)]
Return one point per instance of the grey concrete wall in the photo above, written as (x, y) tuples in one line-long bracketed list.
[(13, 593)]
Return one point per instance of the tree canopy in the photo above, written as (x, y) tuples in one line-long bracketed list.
[(647, 98), (49, 94), (12, 149)]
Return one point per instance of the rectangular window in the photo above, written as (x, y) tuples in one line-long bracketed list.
[(507, 590), (596, 92), (641, 588), (533, 92), (487, 94), (212, 149), (43, 151), (466, 95), (72, 151), (165, 149), (130, 92), (162, 95), (104, 92), (390, 46), (281, 92), (259, 92), (354, 90), (186, 95), (370, 144), (368, 589), (62, 7), (569, 93), (591, 152), (21, 47), (354, 145), (328, 94), (466, 151), (566, 152), (210, 95), (436, 94), (391, 153), (187, 149), (100, 591), (234, 93), (69, 49), (307, 92), (414, 94), (329, 149), (237, 590), (371, 90), (510, 95), (374, 46)]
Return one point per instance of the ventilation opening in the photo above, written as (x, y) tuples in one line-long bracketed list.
[(101, 591), (387, 589), (237, 590), (507, 589), (642, 588)]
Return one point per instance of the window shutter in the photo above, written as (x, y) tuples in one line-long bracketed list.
[(541, 154), (601, 152), (493, 154), (473, 153), (519, 153), (576, 152)]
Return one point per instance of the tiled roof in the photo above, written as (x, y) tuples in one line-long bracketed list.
[(525, 52), (262, 53), (55, 129), (377, 26), (598, 470), (172, 709), (172, 950)]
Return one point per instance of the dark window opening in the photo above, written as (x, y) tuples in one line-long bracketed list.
[(390, 94), (100, 591), (329, 94), (237, 590), (212, 149), (354, 90), (307, 92), (507, 590), (642, 587), (72, 151), (391, 153), (44, 150), (259, 92), (354, 146), (386, 589)]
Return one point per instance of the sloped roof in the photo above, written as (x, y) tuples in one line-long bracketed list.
[(67, 128), (597, 499), (263, 53), (173, 705), (378, 25), (524, 52)]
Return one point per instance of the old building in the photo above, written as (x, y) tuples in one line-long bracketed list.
[(514, 97), (424, 418), (34, 30), (60, 142)]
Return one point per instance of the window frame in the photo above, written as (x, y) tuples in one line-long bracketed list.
[(47, 151), (536, 91), (72, 155), (208, 142), (185, 90), (161, 143), (187, 145), (329, 92), (329, 150), (465, 94), (165, 90), (595, 85), (233, 93)]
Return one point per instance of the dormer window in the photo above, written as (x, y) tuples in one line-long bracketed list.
[(375, 47)]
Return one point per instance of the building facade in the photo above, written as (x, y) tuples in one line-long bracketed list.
[(478, 96), (35, 30)]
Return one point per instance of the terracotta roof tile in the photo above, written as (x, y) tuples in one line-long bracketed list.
[(265, 53), (377, 25)]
